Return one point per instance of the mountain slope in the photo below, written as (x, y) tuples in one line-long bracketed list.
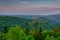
[(54, 17), (9, 21)]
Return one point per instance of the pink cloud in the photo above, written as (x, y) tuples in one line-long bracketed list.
[(30, 8)]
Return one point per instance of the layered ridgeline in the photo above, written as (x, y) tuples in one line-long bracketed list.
[(54, 17), (10, 21)]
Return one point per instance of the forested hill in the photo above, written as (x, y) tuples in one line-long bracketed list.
[(13, 21)]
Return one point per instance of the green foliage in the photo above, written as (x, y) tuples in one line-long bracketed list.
[(16, 33), (50, 38), (58, 38), (30, 37), (45, 33), (13, 33), (0, 35), (57, 34), (22, 35)]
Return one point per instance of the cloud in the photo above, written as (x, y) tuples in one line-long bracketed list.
[(24, 2), (30, 9)]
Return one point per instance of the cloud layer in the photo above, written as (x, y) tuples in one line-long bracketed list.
[(30, 6)]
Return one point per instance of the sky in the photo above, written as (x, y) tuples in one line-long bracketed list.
[(29, 7)]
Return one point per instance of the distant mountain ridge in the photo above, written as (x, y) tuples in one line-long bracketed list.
[(51, 17), (54, 17)]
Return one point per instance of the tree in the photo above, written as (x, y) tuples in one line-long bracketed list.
[(0, 35), (30, 37), (57, 34), (22, 35), (50, 38), (27, 30), (58, 38), (40, 35), (36, 30), (13, 33), (5, 31)]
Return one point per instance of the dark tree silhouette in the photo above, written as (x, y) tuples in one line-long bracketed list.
[(40, 35), (38, 32), (27, 29), (5, 31)]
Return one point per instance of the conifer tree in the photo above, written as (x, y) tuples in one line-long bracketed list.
[(36, 30), (5, 31), (27, 29)]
